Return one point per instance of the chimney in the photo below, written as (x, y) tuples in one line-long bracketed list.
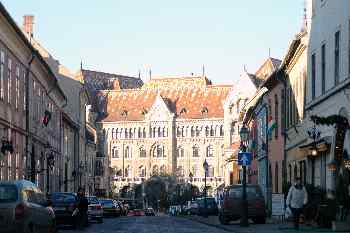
[(28, 22)]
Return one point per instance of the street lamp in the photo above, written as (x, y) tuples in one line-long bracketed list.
[(191, 179), (205, 166), (244, 220)]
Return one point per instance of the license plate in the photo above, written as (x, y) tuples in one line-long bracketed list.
[(59, 208)]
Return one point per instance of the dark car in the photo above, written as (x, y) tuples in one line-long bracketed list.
[(24, 208), (64, 204), (95, 211), (212, 207), (232, 204), (110, 207)]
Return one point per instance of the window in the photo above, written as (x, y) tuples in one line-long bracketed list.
[(221, 130), (163, 170), (195, 152), (336, 57), (198, 131), (313, 76), (9, 80), (210, 151), (2, 67), (193, 132), (323, 68), (142, 152), (144, 133), (158, 151), (180, 152), (127, 171), (115, 152), (17, 165), (195, 170), (276, 116), (180, 171), (155, 170), (276, 177), (210, 171), (17, 87), (142, 171), (207, 131), (212, 133), (128, 152)]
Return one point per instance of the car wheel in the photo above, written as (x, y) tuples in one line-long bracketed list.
[(223, 220), (259, 220)]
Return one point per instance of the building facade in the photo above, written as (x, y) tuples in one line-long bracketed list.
[(169, 126)]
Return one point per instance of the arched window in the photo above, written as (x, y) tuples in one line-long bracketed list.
[(195, 152), (159, 132), (164, 132), (155, 170), (207, 131), (113, 134), (180, 171), (142, 152), (212, 133), (183, 131), (115, 152), (158, 151), (142, 171), (198, 131), (180, 152), (210, 152), (178, 132), (144, 133), (163, 170), (126, 133), (193, 132), (116, 135), (131, 133), (128, 152), (154, 132), (127, 171), (139, 133), (195, 170), (210, 171), (221, 130)]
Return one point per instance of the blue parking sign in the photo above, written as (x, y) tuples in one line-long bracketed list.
[(244, 158)]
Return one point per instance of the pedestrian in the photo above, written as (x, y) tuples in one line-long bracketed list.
[(82, 206), (296, 200)]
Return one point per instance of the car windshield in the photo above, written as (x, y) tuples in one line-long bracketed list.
[(252, 192), (63, 197), (8, 193), (93, 200)]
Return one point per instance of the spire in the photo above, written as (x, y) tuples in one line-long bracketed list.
[(203, 71), (139, 74), (150, 74), (81, 65), (304, 25)]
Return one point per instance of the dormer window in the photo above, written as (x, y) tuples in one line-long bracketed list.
[(183, 111), (204, 111), (124, 113)]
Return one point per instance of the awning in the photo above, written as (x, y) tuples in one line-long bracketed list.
[(323, 144)]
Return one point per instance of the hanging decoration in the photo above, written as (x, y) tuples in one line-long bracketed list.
[(331, 120), (46, 118)]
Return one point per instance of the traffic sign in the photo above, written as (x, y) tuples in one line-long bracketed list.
[(244, 158)]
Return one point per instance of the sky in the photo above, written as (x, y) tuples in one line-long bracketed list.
[(168, 37)]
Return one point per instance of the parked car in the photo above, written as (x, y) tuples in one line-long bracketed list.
[(136, 212), (95, 211), (64, 203), (150, 212), (211, 209), (232, 204), (23, 208), (110, 207)]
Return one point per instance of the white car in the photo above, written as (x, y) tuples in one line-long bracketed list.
[(95, 211)]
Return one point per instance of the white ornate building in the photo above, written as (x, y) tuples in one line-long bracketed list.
[(167, 126)]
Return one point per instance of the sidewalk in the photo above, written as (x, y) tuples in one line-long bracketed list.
[(269, 227)]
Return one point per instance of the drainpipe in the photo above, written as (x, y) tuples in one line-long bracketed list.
[(32, 168)]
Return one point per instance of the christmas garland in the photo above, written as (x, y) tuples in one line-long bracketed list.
[(331, 120)]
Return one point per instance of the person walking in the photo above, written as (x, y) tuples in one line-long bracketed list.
[(296, 200), (82, 206)]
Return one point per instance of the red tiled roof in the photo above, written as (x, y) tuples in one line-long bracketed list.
[(187, 101)]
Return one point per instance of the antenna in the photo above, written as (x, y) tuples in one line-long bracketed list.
[(150, 74), (81, 65), (269, 52), (245, 68), (203, 71), (139, 74)]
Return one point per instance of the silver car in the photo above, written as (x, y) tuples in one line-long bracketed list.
[(24, 209)]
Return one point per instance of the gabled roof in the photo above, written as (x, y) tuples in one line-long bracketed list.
[(255, 80)]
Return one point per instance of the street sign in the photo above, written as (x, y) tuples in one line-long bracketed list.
[(244, 158)]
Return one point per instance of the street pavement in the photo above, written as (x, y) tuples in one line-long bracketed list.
[(146, 224)]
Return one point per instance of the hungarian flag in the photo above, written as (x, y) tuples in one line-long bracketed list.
[(271, 125)]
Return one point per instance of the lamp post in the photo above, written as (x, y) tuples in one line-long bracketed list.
[(244, 220), (205, 166), (191, 179)]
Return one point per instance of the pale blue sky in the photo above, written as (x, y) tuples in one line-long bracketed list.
[(172, 37)]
